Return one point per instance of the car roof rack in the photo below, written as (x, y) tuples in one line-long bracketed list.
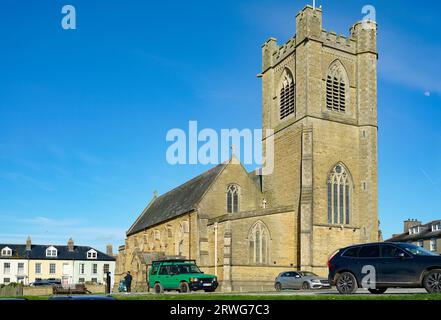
[(174, 260)]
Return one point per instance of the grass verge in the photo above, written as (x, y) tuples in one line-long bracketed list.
[(279, 297)]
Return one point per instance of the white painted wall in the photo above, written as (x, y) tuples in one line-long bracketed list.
[(13, 274), (88, 271)]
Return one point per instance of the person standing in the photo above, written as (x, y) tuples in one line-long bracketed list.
[(128, 281)]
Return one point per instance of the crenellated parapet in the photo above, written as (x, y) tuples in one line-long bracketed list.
[(339, 42), (362, 38)]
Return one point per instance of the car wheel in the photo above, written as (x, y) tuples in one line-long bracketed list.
[(278, 286), (377, 291), (158, 288), (306, 286), (432, 281), (184, 288), (346, 283)]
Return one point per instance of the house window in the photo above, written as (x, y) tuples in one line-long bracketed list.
[(414, 230), (232, 199), (94, 268), (106, 268), (20, 268), (433, 246), (38, 268), (258, 243), (81, 280), (91, 254), (339, 196), (81, 268), (52, 268), (51, 252), (287, 95), (336, 88), (94, 280), (6, 268), (436, 227), (6, 280), (6, 252), (420, 243)]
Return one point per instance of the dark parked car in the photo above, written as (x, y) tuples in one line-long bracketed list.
[(54, 281), (396, 265), (39, 283)]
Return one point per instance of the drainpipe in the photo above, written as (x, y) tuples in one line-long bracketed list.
[(215, 248), (189, 236)]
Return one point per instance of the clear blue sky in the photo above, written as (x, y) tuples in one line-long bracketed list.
[(84, 113)]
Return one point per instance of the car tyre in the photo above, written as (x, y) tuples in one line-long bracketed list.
[(278, 286), (306, 286), (432, 281), (184, 287), (158, 288), (346, 283), (378, 290)]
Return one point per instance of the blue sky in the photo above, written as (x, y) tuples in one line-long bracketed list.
[(84, 113)]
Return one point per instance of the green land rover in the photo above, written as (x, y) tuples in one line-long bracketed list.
[(181, 275)]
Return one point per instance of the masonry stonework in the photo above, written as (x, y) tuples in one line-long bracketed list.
[(283, 219)]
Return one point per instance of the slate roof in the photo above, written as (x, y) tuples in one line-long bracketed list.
[(176, 202), (38, 252), (425, 233)]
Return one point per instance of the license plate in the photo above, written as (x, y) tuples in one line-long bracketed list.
[(206, 284)]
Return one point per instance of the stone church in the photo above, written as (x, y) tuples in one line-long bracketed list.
[(320, 99)]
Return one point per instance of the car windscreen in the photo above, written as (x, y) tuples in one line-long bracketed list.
[(308, 274), (415, 250), (188, 268)]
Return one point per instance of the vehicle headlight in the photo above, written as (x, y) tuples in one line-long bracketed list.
[(194, 279), (315, 281)]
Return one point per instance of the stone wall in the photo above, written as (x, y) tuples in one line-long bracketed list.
[(38, 291)]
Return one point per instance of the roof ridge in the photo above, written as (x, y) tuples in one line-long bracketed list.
[(178, 201)]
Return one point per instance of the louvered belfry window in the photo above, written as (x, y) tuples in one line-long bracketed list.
[(287, 96), (336, 89)]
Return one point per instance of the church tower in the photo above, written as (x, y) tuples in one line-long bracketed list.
[(320, 101)]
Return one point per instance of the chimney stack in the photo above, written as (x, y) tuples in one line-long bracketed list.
[(409, 223), (70, 245), (29, 244), (109, 250)]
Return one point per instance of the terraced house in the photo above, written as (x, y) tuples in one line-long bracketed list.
[(426, 235), (319, 92), (71, 264)]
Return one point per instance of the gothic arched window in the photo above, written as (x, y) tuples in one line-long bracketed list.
[(336, 87), (287, 95), (232, 199), (339, 196), (179, 240), (258, 241)]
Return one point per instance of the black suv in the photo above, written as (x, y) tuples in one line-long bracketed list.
[(385, 265)]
